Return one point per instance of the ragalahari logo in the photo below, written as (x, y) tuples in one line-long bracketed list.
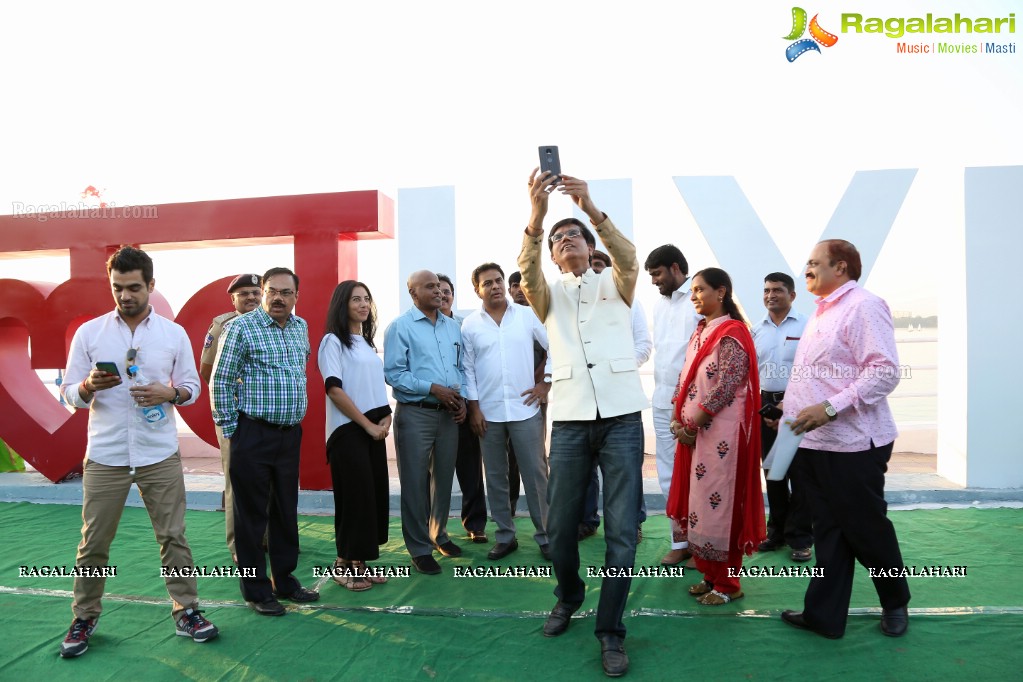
[(817, 35)]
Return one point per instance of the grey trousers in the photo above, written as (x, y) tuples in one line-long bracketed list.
[(426, 445), (527, 438)]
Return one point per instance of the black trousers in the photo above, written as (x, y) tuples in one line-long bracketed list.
[(791, 520), (358, 473), (469, 471), (850, 524), (264, 475)]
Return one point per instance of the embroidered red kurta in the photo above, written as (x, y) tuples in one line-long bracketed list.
[(715, 489)]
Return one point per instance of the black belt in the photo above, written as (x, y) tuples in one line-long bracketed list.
[(427, 406), (773, 396), (269, 425)]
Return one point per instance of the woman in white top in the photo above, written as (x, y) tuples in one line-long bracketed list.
[(358, 421)]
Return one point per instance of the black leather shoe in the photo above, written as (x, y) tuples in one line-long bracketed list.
[(796, 620), (895, 622), (270, 607), (613, 656), (502, 549), (449, 549), (301, 595), (477, 537), (586, 530), (426, 564), (801, 555), (770, 545), (545, 550), (557, 622)]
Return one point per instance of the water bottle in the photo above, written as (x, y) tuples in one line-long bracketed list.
[(153, 416)]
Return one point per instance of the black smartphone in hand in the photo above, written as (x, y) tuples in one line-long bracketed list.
[(109, 368), (550, 161), (771, 411)]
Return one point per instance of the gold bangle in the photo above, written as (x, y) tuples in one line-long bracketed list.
[(687, 434)]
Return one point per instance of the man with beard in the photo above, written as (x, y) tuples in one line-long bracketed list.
[(124, 448), (504, 403), (675, 320)]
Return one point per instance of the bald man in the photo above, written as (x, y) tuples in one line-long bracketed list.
[(423, 366)]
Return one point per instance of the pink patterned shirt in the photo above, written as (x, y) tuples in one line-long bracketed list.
[(847, 356)]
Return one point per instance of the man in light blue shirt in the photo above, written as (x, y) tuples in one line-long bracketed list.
[(776, 337), (423, 366)]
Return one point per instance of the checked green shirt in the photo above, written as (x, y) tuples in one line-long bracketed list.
[(260, 370)]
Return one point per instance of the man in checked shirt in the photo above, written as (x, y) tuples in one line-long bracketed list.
[(259, 400)]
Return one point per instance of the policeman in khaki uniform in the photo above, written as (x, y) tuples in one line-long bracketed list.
[(246, 294)]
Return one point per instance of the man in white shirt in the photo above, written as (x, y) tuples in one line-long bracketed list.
[(132, 439), (675, 320), (504, 403), (776, 337)]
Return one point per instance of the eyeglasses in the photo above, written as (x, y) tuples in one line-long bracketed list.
[(129, 362), (286, 293), (249, 294), (571, 234)]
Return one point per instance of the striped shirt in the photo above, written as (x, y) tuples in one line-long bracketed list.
[(260, 370)]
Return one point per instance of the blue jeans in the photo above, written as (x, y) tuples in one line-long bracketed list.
[(615, 444), (590, 517)]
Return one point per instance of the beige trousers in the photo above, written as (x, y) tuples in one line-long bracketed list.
[(104, 492)]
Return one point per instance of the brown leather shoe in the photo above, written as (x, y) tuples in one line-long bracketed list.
[(675, 557)]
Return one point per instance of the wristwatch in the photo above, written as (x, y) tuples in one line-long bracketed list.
[(547, 378), (829, 410)]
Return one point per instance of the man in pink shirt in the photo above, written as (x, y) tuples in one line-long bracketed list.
[(845, 367)]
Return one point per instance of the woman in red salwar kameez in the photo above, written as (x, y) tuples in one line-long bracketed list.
[(715, 489)]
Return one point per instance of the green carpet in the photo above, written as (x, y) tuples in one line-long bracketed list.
[(442, 627)]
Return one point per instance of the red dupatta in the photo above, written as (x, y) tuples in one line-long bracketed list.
[(749, 508)]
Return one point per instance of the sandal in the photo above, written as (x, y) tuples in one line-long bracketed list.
[(368, 573), (701, 588), (715, 598), (345, 575)]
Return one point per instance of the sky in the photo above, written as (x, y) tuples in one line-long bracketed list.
[(200, 101)]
